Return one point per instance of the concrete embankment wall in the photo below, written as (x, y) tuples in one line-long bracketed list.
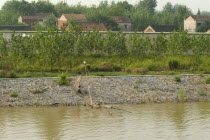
[(104, 90), (7, 34)]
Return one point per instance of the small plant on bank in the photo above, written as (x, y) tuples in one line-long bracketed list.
[(202, 92), (207, 81), (181, 95), (14, 94), (37, 91), (177, 78), (62, 80), (173, 64)]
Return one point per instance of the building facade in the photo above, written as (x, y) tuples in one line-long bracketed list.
[(79, 18), (124, 23), (193, 22)]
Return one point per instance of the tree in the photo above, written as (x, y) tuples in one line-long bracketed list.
[(22, 7), (199, 12), (43, 6), (148, 5), (204, 27)]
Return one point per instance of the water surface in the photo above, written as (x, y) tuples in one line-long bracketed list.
[(182, 121)]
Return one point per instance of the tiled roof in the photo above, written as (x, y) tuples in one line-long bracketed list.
[(197, 17), (75, 16), (39, 16), (121, 19), (91, 26), (164, 28)]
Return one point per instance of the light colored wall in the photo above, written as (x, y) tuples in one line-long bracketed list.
[(149, 30), (20, 20), (122, 26), (190, 25)]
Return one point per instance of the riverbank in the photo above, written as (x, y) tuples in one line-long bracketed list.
[(104, 90)]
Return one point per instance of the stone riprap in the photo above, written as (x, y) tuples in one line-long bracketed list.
[(104, 90)]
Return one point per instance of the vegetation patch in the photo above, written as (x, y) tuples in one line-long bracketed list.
[(207, 80), (14, 94), (62, 80), (177, 78), (38, 91)]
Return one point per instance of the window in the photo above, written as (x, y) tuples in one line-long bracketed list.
[(126, 26)]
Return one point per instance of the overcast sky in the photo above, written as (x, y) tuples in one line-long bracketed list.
[(203, 5)]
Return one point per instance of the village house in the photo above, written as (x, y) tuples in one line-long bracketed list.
[(86, 26), (79, 18), (160, 28), (193, 22), (124, 23), (30, 20)]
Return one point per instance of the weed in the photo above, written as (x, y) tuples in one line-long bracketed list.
[(14, 94), (62, 80), (177, 78), (181, 95), (207, 80), (38, 91), (202, 92)]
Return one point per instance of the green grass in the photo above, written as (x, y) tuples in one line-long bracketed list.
[(207, 80), (14, 94), (62, 80), (177, 78), (99, 65)]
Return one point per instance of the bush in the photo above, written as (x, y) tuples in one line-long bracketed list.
[(14, 94), (207, 81), (11, 74), (177, 78), (62, 80), (173, 64)]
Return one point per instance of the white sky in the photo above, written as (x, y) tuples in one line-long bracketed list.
[(203, 5)]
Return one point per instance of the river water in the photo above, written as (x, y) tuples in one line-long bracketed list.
[(171, 121)]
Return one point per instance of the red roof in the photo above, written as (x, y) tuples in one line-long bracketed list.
[(198, 17), (92, 26), (74, 16), (121, 19)]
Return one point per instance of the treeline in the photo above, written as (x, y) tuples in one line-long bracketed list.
[(53, 49), (142, 14)]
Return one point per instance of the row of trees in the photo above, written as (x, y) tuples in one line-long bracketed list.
[(142, 14), (53, 48)]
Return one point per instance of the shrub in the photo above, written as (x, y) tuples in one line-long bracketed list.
[(11, 74), (62, 80), (207, 81), (173, 64), (14, 94), (177, 78)]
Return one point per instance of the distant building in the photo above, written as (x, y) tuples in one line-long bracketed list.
[(30, 20), (93, 26), (160, 28), (79, 18), (193, 22), (124, 23)]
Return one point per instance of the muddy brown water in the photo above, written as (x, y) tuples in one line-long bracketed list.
[(171, 121)]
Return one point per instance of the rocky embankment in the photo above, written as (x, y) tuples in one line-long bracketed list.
[(103, 90)]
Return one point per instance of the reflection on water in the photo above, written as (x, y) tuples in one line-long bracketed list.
[(150, 121)]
